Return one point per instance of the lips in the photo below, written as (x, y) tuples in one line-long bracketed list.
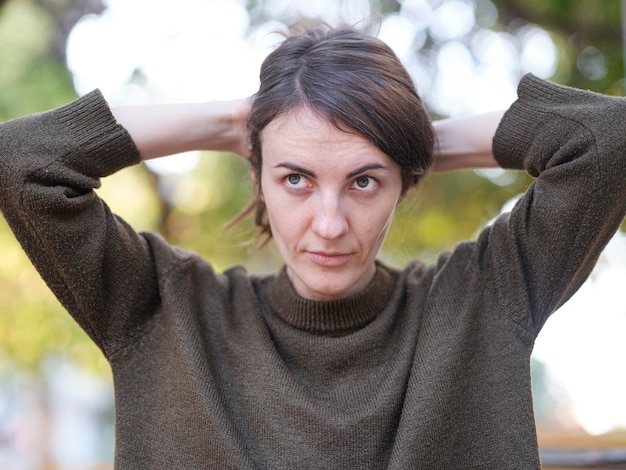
[(328, 259)]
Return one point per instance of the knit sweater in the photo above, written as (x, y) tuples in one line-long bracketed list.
[(427, 368)]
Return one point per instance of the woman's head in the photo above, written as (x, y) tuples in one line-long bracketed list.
[(353, 81)]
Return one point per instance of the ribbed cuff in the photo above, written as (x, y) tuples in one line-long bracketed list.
[(103, 145), (521, 123)]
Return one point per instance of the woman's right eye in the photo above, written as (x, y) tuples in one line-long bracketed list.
[(296, 181)]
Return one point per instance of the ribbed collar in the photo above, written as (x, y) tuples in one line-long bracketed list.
[(333, 318)]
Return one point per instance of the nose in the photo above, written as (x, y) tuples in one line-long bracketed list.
[(329, 218)]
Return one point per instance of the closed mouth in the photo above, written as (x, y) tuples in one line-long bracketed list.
[(329, 259)]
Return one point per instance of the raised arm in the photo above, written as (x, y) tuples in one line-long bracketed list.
[(101, 270), (573, 142), (465, 142), (164, 129)]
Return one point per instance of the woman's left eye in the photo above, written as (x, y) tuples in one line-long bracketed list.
[(365, 183)]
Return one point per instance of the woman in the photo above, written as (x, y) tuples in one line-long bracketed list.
[(337, 361)]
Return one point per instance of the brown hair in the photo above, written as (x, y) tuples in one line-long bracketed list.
[(358, 84)]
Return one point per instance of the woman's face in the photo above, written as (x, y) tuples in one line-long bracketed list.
[(330, 197)]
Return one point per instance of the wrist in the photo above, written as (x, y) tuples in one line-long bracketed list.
[(465, 142), (222, 127)]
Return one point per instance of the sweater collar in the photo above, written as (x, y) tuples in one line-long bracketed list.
[(332, 318)]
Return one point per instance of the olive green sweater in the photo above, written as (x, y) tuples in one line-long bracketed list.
[(428, 368)]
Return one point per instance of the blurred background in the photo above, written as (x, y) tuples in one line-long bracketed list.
[(56, 405)]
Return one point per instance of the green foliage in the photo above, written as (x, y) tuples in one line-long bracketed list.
[(446, 209), (580, 28), (31, 77)]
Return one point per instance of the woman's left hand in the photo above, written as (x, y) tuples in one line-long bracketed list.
[(465, 142)]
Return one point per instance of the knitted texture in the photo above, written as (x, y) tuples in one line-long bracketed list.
[(427, 368)]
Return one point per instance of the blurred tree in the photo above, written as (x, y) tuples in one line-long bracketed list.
[(589, 34)]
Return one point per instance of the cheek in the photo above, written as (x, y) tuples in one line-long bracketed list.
[(287, 220), (374, 224)]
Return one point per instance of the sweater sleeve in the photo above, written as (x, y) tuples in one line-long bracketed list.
[(574, 143), (97, 266)]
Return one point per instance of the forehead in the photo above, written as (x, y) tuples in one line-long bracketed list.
[(304, 122), (304, 134)]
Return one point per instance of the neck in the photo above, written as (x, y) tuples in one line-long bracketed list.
[(334, 317)]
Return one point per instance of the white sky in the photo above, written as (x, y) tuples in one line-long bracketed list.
[(197, 50)]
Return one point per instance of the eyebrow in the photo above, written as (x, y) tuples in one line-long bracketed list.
[(296, 169), (352, 174), (363, 169)]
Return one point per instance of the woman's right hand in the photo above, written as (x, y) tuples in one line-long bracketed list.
[(160, 130), (240, 110)]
